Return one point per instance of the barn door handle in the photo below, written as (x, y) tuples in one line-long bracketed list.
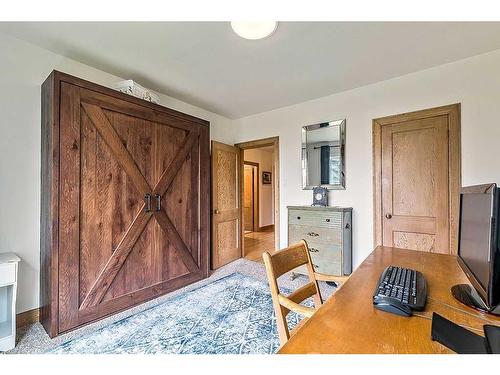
[(158, 202), (147, 200)]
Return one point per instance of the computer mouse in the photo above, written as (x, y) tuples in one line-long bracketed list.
[(393, 307)]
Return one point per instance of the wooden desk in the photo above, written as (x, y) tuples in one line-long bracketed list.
[(348, 322)]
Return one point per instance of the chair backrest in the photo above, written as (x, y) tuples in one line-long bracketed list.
[(278, 264)]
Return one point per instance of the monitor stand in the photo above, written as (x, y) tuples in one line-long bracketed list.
[(467, 295)]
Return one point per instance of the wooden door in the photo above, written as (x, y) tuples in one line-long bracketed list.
[(226, 208), (130, 209), (416, 188), (248, 197)]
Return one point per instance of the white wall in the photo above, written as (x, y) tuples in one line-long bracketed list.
[(474, 82), (266, 202), (23, 68)]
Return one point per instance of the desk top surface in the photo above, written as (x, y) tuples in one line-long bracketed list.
[(348, 322)]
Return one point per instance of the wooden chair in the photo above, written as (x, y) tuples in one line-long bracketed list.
[(280, 263)]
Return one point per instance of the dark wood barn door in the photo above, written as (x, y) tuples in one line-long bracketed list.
[(129, 205)]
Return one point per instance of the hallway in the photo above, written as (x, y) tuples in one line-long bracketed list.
[(257, 243)]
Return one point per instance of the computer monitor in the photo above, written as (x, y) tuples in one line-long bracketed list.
[(479, 247)]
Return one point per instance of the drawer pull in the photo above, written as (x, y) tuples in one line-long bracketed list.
[(298, 217), (315, 266), (313, 234), (313, 250), (327, 220)]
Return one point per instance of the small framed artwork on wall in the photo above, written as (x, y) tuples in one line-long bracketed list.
[(266, 178)]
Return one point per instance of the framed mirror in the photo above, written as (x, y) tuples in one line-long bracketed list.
[(323, 149)]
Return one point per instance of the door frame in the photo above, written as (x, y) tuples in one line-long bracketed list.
[(452, 111), (255, 197), (265, 142)]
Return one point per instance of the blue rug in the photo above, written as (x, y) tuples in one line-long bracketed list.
[(232, 315)]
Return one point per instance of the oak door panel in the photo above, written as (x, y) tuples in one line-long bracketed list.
[(116, 253), (415, 184), (226, 209)]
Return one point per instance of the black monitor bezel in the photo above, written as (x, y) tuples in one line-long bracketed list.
[(485, 293)]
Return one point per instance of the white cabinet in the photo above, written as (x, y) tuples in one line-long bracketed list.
[(8, 290)]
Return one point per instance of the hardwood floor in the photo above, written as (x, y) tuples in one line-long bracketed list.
[(258, 242)]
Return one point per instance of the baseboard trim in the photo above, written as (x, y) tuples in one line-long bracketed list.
[(27, 317), (266, 228)]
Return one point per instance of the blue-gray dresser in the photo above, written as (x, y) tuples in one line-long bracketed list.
[(328, 233)]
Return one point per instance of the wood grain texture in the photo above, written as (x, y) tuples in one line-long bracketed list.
[(143, 108), (279, 263), (114, 142), (226, 204), (49, 205), (173, 168), (256, 243), (113, 149), (69, 203), (182, 250), (116, 261), (27, 318), (348, 322), (416, 179), (415, 185)]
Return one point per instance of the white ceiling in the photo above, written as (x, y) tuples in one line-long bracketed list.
[(206, 64)]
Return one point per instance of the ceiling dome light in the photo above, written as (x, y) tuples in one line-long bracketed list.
[(254, 30)]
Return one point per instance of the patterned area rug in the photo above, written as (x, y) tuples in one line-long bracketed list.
[(232, 315)]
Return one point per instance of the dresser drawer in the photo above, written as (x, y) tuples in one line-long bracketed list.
[(321, 219), (332, 252), (7, 273), (314, 234), (323, 266), (327, 266)]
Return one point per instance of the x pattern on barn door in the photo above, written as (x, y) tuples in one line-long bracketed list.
[(151, 208)]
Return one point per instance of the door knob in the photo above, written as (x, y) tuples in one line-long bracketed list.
[(388, 216), (216, 212)]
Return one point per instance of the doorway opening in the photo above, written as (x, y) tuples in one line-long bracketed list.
[(250, 197), (260, 197)]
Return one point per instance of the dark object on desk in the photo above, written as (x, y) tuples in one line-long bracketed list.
[(400, 290), (479, 248), (463, 341), (467, 295), (455, 337), (492, 334), (393, 306)]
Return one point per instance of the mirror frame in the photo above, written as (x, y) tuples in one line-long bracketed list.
[(305, 129)]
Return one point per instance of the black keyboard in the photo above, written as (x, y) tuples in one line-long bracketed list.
[(401, 285)]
